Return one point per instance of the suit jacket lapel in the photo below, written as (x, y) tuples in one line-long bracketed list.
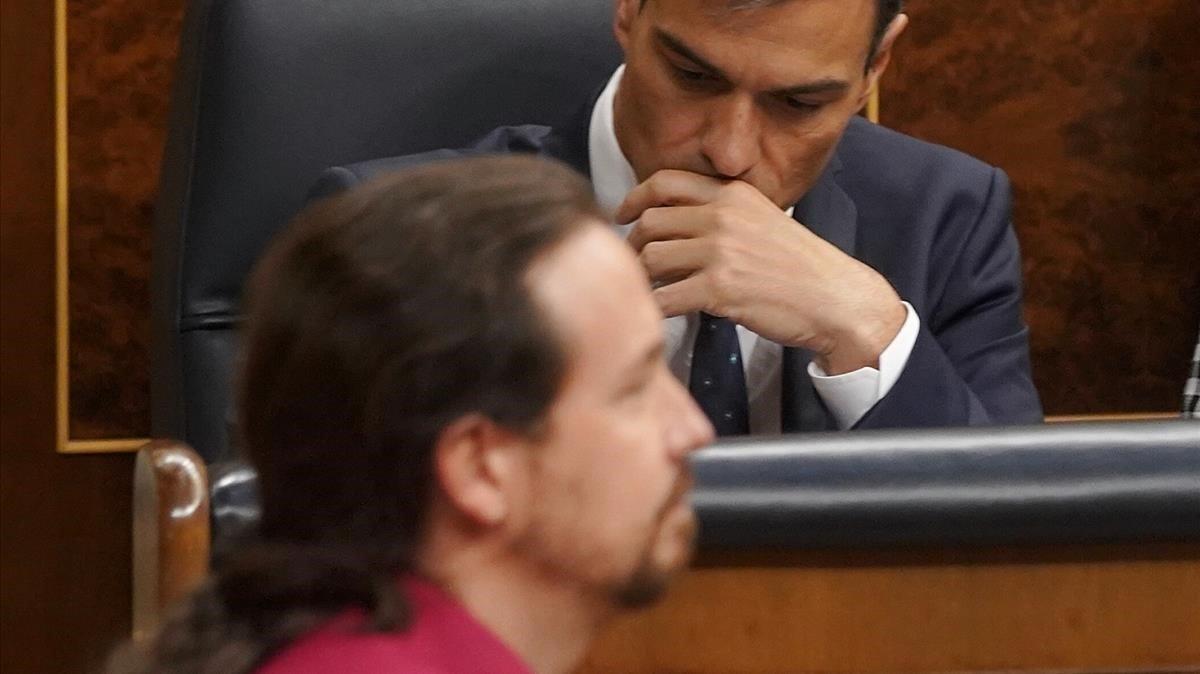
[(830, 214), (568, 142)]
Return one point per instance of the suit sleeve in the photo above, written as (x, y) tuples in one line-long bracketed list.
[(970, 363), (333, 180), (337, 179)]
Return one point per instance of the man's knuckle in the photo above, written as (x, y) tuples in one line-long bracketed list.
[(651, 253), (721, 278), (725, 243), (725, 216), (656, 188)]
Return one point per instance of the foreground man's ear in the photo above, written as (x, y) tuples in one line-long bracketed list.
[(479, 465)]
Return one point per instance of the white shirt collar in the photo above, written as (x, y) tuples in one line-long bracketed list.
[(612, 176)]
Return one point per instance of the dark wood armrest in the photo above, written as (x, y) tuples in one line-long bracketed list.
[(171, 535)]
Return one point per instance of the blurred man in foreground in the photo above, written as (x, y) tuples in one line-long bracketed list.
[(470, 450)]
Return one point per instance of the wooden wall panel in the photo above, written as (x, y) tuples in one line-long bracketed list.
[(1073, 609), (65, 520), (1092, 107), (121, 58)]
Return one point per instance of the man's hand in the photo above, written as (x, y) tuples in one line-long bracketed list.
[(723, 248)]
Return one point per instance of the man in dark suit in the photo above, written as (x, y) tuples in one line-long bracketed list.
[(815, 271)]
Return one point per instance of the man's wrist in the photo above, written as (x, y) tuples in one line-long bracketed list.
[(862, 343), (850, 396)]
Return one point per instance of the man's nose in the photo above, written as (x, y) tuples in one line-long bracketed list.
[(687, 427), (731, 142)]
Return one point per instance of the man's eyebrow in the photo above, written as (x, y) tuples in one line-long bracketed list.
[(822, 86), (676, 45), (818, 87)]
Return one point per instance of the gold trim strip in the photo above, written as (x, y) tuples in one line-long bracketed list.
[(104, 446), (61, 262), (1134, 416), (62, 315)]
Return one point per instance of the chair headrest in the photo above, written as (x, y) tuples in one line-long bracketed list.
[(281, 89)]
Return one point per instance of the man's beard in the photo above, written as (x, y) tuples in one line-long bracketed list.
[(649, 581)]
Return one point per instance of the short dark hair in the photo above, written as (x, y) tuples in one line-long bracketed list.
[(375, 320), (885, 12)]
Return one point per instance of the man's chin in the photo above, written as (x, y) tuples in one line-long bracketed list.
[(665, 558), (644, 588)]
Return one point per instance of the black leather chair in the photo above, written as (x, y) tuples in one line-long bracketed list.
[(270, 92)]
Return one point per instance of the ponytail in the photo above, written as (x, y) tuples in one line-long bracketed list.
[(263, 598)]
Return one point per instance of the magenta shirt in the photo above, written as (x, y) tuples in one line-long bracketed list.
[(443, 639)]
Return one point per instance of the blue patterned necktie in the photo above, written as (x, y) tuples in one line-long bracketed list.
[(718, 382)]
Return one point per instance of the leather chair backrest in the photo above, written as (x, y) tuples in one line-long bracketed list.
[(270, 92)]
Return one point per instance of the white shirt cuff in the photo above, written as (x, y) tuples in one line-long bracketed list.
[(851, 395)]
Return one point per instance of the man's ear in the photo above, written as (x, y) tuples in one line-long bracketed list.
[(883, 54), (480, 466), (626, 14)]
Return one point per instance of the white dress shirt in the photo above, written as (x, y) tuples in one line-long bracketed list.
[(848, 396)]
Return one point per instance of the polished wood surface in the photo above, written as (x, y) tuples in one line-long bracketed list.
[(1091, 108), (171, 536), (120, 65), (64, 561), (1104, 609)]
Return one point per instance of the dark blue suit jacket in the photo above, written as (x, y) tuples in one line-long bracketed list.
[(935, 222)]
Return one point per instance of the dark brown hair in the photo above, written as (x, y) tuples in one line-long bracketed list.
[(376, 319), (885, 11)]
